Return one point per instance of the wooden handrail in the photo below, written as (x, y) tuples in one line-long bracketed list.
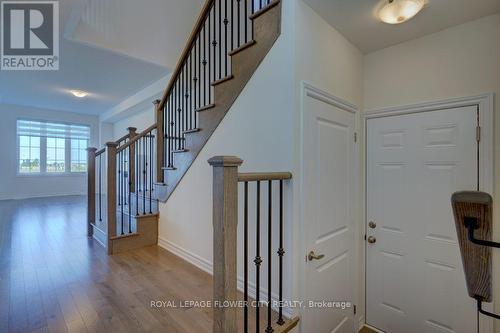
[(262, 176), (185, 53), (99, 152), (137, 137), (123, 138)]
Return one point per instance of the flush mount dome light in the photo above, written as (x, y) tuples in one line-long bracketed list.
[(399, 11), (79, 93)]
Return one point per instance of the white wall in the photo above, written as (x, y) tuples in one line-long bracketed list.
[(140, 120), (326, 60), (13, 186), (460, 61)]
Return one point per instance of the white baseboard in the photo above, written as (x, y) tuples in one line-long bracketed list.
[(43, 195), (207, 266), (187, 255), (373, 328)]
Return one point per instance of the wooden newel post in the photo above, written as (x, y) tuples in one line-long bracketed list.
[(225, 224), (160, 137), (90, 190), (132, 133), (111, 193)]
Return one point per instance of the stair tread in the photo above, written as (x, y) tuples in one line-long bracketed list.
[(133, 234), (169, 168), (265, 9), (224, 79), (180, 151), (193, 130), (242, 47), (206, 107)]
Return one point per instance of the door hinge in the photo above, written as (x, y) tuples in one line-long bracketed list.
[(478, 133), (354, 309), (355, 137)]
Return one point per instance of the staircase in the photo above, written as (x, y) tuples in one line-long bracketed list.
[(130, 177)]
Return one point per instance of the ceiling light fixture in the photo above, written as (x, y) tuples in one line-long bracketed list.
[(399, 11), (79, 93)]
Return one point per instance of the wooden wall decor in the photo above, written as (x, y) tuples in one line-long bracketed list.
[(475, 206)]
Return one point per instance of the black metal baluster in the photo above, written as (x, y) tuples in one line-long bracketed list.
[(260, 4), (178, 115), (232, 25), (119, 180), (226, 21), (257, 261), (171, 141), (245, 261), (195, 80), (214, 43), (124, 176), (199, 77), (144, 181), (183, 105), (269, 328), (220, 39), (151, 173), (251, 21), (238, 39), (190, 77), (205, 46), (100, 187), (246, 20), (166, 127), (281, 253), (137, 177), (129, 195), (121, 187)]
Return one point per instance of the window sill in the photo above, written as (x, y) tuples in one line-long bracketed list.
[(46, 174)]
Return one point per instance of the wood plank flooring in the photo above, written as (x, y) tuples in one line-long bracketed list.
[(54, 279)]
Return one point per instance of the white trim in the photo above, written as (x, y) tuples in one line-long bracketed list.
[(429, 106), (46, 195), (207, 267), (372, 328), (187, 255), (308, 89), (486, 148)]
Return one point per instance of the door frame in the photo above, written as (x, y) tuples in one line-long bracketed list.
[(309, 90), (485, 106)]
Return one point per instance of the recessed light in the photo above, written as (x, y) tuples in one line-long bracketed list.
[(79, 93), (399, 11)]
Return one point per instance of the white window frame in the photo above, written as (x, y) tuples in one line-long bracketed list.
[(43, 153)]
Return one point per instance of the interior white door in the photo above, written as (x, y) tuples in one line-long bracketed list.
[(415, 279), (328, 189)]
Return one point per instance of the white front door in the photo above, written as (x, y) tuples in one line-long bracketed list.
[(415, 281), (328, 196)]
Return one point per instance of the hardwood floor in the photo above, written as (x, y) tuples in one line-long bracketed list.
[(54, 279)]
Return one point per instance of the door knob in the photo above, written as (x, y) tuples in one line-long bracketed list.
[(313, 256), (372, 224), (371, 240)]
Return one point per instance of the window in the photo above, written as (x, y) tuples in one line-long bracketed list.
[(29, 154), (51, 148), (79, 155), (56, 155)]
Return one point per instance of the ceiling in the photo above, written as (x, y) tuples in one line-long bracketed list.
[(110, 62), (355, 19)]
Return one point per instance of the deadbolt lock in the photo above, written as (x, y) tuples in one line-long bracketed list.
[(372, 224), (371, 240)]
